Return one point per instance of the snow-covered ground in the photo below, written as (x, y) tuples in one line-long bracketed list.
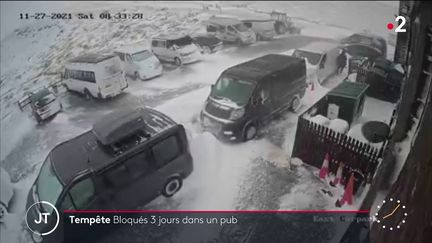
[(253, 175)]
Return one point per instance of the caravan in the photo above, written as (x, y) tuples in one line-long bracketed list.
[(95, 75)]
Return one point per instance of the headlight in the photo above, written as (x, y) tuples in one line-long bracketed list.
[(37, 237), (237, 114)]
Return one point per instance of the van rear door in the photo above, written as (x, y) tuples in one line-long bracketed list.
[(111, 79)]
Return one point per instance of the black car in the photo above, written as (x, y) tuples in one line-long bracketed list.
[(208, 43), (126, 160), (248, 95), (384, 78), (365, 45)]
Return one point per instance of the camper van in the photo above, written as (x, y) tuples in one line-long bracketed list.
[(95, 75), (230, 30), (179, 49), (248, 95), (139, 62), (321, 59), (126, 160)]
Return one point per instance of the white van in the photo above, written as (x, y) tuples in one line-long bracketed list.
[(230, 29), (321, 59), (264, 29), (178, 49), (95, 75), (139, 62)]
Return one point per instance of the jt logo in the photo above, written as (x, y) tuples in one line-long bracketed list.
[(44, 216)]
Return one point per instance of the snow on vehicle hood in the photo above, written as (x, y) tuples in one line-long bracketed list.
[(226, 102), (151, 62), (6, 188)]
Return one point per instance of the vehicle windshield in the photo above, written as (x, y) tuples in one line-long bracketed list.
[(141, 56), (241, 27), (112, 67), (311, 57), (184, 41), (48, 185), (233, 89), (43, 101)]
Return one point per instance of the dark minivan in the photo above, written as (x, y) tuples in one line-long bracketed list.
[(249, 94), (126, 160)]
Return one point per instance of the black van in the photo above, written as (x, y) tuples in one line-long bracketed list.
[(126, 160), (249, 94)]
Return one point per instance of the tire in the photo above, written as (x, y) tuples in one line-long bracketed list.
[(295, 104), (88, 95), (177, 61), (172, 186), (249, 132)]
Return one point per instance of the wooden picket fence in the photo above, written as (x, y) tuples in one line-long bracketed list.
[(314, 141)]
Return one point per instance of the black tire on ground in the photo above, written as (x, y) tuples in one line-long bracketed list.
[(177, 61), (250, 131), (172, 186), (88, 95)]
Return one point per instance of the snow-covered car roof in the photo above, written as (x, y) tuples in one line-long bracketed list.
[(319, 46), (131, 49), (169, 36), (92, 58), (120, 124), (6, 187), (223, 20), (87, 151)]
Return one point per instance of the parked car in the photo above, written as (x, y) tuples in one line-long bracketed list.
[(248, 95), (365, 45), (321, 59), (179, 49), (264, 29), (384, 77), (6, 193), (43, 103), (127, 159), (139, 62), (95, 75), (207, 43), (230, 30)]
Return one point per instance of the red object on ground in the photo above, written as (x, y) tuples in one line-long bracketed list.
[(338, 179), (348, 194), (323, 173)]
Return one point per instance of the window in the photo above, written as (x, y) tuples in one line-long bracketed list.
[(87, 76), (67, 203), (117, 177), (166, 150), (82, 193), (138, 165), (211, 28), (155, 43), (231, 29)]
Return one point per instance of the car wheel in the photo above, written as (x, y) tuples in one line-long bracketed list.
[(249, 132), (3, 212), (88, 95), (172, 186), (295, 104), (177, 61)]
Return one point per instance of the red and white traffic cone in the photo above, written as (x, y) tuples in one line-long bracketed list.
[(323, 173), (348, 193), (338, 179)]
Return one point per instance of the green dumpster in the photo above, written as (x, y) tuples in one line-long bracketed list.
[(346, 101)]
